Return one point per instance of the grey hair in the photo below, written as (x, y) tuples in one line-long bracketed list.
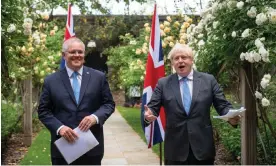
[(183, 48), (68, 42)]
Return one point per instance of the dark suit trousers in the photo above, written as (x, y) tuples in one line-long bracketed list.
[(83, 160), (191, 160)]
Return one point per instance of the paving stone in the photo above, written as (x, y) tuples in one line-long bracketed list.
[(123, 146)]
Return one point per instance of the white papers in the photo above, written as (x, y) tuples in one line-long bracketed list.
[(72, 151), (232, 113)]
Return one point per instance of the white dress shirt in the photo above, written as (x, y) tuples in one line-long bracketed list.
[(79, 77), (190, 84)]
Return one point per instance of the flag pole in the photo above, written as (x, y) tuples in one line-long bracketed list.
[(160, 149)]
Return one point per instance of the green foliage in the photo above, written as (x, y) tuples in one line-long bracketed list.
[(127, 66), (39, 152), (229, 136), (267, 155), (9, 116)]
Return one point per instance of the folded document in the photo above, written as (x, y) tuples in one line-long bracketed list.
[(72, 151), (231, 114)]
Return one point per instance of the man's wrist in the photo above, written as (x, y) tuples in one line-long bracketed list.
[(97, 119), (59, 129)]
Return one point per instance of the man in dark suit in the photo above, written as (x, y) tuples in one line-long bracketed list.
[(187, 97), (76, 96)]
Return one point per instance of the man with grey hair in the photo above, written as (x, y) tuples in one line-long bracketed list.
[(187, 97), (76, 96)]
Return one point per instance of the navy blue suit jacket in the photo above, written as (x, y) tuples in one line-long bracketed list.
[(58, 105)]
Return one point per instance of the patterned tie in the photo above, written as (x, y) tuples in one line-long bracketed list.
[(186, 95), (76, 86)]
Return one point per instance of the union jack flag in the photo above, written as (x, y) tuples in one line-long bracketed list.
[(69, 31), (155, 69)]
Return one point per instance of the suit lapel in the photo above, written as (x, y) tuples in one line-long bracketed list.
[(196, 88), (176, 90), (66, 81), (84, 82)]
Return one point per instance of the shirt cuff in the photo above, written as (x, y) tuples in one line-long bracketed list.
[(97, 119), (59, 129), (146, 121)]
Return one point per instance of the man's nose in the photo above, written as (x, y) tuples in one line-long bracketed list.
[(181, 60)]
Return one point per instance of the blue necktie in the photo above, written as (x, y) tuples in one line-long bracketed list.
[(186, 95), (76, 86)]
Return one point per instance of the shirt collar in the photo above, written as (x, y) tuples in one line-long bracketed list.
[(70, 71), (190, 75)]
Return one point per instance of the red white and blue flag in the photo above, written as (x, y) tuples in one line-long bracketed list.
[(155, 69), (69, 30)]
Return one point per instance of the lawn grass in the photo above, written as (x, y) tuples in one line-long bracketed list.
[(132, 116), (39, 152)]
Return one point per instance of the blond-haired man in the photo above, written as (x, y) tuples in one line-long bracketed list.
[(187, 97)]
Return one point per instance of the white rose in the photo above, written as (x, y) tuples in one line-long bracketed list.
[(55, 28), (265, 102), (240, 5), (258, 43), (264, 83), (234, 34), (272, 16), (215, 24), (246, 33), (257, 57), (263, 52), (252, 12), (28, 20), (242, 56), (249, 57), (201, 43), (258, 95), (27, 32), (37, 41), (267, 77), (261, 18), (11, 28)]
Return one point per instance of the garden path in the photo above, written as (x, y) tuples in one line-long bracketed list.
[(123, 146)]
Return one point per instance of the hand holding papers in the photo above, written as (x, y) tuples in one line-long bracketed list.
[(72, 151), (231, 114)]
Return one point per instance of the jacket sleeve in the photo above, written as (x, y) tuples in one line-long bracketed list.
[(221, 105), (45, 109), (107, 104), (155, 102)]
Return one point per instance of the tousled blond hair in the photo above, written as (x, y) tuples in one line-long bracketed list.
[(183, 48)]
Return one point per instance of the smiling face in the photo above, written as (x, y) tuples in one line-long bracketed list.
[(182, 59), (74, 55)]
